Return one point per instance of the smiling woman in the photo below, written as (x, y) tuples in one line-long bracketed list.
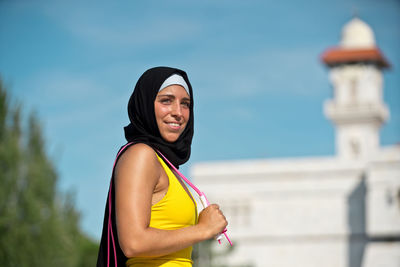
[(151, 217), (172, 111)]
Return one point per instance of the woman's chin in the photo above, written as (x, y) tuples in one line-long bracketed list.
[(171, 138)]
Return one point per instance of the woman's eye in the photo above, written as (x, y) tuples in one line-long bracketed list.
[(186, 104), (165, 101)]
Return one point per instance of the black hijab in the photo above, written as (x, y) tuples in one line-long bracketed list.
[(143, 127)]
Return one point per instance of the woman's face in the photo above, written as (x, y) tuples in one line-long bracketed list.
[(172, 112)]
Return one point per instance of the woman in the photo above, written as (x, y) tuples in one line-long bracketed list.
[(151, 217)]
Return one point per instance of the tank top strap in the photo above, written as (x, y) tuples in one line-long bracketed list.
[(171, 176)]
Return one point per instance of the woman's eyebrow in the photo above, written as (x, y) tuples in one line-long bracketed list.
[(173, 96), (169, 95)]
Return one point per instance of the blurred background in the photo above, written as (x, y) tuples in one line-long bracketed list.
[(68, 69)]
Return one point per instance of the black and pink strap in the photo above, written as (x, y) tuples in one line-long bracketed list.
[(109, 228)]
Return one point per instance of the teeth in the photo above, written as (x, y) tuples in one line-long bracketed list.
[(173, 124)]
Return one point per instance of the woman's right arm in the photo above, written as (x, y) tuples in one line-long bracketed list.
[(137, 174)]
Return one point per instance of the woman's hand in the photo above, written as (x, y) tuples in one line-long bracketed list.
[(212, 221)]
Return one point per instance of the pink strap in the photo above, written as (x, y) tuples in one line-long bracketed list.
[(181, 175), (109, 230), (201, 194)]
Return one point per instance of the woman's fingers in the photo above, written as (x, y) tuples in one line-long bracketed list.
[(213, 219)]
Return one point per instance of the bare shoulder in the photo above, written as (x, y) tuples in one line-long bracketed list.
[(139, 150), (138, 158)]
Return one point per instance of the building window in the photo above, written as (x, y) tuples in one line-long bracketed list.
[(353, 91), (237, 212), (355, 147)]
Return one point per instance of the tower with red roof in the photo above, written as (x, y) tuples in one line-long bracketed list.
[(357, 108)]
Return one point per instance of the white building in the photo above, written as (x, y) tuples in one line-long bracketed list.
[(340, 211)]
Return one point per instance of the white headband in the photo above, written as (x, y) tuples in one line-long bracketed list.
[(175, 79)]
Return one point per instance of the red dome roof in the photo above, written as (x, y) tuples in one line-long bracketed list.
[(340, 55)]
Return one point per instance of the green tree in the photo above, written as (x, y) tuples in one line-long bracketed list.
[(39, 226)]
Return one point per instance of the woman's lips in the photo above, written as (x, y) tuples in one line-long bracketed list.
[(174, 125)]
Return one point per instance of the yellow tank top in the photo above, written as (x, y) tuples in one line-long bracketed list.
[(175, 210)]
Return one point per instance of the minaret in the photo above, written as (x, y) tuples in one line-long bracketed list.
[(357, 107)]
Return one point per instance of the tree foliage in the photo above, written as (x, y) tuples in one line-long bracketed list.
[(39, 226)]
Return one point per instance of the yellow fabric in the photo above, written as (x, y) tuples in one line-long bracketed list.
[(175, 210)]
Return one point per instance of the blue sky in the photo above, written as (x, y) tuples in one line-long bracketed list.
[(259, 84)]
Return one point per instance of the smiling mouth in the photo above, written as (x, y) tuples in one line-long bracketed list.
[(173, 124)]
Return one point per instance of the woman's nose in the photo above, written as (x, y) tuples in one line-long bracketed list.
[(176, 110)]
